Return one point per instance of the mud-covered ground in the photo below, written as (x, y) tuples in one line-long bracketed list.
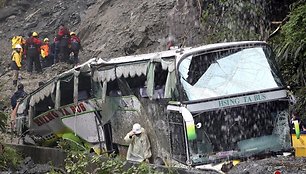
[(285, 165)]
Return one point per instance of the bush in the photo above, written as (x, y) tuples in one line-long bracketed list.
[(3, 121), (2, 3), (82, 162), (290, 46), (10, 159)]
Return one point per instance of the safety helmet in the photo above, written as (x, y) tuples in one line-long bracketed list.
[(18, 46), (72, 33), (46, 40), (136, 128), (34, 34)]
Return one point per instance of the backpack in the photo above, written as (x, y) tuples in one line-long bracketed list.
[(17, 40)]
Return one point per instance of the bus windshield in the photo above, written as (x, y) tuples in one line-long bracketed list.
[(240, 132), (227, 72)]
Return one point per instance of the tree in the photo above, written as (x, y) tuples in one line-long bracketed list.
[(290, 46)]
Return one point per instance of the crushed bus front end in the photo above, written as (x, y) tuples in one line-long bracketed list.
[(238, 103)]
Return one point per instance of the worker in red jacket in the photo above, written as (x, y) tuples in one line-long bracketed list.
[(63, 36), (32, 51), (75, 47), (62, 30)]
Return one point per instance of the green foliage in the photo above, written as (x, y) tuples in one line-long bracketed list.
[(81, 162), (3, 121), (76, 162), (290, 46), (69, 145), (2, 3), (10, 159)]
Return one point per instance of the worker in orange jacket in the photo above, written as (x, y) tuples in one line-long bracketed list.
[(45, 52)]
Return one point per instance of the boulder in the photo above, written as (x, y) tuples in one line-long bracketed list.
[(31, 25), (7, 12)]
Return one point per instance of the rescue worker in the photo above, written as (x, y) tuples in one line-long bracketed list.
[(294, 117), (18, 40), (55, 49), (16, 62), (170, 42), (19, 94), (75, 47), (32, 50), (63, 36), (44, 52), (139, 145), (62, 31)]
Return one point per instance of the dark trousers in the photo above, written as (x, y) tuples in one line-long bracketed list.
[(56, 52), (33, 59), (47, 61), (64, 54), (75, 57)]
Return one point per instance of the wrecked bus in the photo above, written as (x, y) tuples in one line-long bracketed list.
[(201, 105)]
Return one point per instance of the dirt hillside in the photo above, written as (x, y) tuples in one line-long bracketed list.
[(107, 28)]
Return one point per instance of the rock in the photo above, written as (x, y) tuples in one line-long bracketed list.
[(28, 161), (45, 13), (40, 169), (7, 12), (30, 25), (12, 17), (90, 2), (75, 18), (142, 29), (24, 5)]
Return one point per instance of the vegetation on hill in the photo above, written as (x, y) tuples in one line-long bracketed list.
[(2, 3), (290, 46), (9, 158)]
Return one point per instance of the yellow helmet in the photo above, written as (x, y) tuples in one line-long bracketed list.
[(72, 33), (34, 34), (46, 40)]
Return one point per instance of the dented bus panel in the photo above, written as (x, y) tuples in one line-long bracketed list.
[(200, 105)]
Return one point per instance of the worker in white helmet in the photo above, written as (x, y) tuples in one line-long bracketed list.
[(16, 62), (139, 144)]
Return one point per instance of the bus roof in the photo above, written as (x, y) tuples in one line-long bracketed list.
[(45, 90)]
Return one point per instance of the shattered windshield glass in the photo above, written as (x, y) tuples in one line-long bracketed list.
[(241, 132), (226, 72)]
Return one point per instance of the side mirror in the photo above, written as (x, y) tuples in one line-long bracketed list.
[(190, 127), (297, 128)]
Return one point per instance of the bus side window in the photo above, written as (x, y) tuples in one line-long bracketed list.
[(83, 95), (115, 93), (160, 79), (158, 93)]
